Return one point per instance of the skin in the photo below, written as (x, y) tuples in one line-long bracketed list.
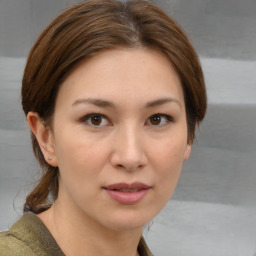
[(124, 144)]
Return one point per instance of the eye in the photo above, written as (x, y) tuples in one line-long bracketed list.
[(159, 120), (95, 120)]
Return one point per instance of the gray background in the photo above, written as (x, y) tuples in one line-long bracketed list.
[(213, 210)]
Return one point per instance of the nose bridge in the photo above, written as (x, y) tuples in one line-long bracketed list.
[(128, 150)]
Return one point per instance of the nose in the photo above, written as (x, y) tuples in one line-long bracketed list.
[(128, 150)]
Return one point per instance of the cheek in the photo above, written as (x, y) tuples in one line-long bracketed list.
[(79, 160), (169, 152), (80, 168), (168, 165)]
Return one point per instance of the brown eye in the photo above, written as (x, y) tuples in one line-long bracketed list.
[(159, 120), (155, 120), (96, 120)]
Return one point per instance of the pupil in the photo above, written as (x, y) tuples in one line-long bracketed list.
[(155, 120), (96, 120)]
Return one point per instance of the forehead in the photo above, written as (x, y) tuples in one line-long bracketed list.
[(123, 75)]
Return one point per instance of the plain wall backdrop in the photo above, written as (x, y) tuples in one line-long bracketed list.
[(213, 210)]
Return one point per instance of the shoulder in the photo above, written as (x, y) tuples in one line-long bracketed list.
[(11, 246), (28, 237)]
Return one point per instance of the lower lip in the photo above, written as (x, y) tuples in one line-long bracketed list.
[(127, 198)]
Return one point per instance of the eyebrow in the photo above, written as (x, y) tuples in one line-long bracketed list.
[(161, 102), (106, 103), (97, 102)]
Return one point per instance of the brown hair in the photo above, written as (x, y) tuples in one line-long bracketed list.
[(81, 32)]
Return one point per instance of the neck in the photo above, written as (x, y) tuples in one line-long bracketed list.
[(77, 234)]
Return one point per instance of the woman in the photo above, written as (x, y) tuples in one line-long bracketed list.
[(113, 92)]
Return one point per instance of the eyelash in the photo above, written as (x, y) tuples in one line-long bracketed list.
[(87, 119), (168, 119)]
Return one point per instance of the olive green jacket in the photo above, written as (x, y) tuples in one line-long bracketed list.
[(28, 237)]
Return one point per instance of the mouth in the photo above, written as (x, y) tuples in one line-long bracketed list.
[(127, 190), (127, 194)]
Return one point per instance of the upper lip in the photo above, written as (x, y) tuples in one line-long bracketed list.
[(131, 186)]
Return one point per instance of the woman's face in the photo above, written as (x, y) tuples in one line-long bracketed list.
[(119, 137)]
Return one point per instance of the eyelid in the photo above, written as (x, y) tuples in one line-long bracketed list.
[(85, 119), (168, 118)]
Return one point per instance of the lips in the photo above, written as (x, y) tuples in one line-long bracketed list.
[(125, 186), (127, 194)]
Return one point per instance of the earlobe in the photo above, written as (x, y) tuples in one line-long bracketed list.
[(187, 152), (44, 137)]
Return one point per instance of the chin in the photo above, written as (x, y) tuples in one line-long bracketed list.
[(126, 225), (129, 219)]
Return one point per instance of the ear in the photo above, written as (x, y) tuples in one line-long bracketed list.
[(44, 136), (187, 152)]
